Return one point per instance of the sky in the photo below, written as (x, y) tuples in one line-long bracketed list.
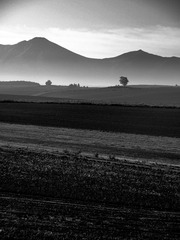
[(95, 28)]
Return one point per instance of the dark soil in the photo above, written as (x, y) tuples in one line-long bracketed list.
[(67, 196), (136, 120)]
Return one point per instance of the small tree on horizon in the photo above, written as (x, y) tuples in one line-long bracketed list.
[(48, 83), (124, 81)]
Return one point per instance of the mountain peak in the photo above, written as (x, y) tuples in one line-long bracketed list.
[(39, 39), (141, 51)]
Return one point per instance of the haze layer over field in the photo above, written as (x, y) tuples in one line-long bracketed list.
[(39, 59)]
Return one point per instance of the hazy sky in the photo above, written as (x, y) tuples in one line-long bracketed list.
[(95, 28)]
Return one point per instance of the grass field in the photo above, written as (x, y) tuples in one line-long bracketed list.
[(136, 120), (161, 96), (68, 196), (151, 148), (131, 95)]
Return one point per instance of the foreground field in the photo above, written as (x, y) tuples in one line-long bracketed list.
[(29, 218), (85, 183), (137, 120), (47, 195)]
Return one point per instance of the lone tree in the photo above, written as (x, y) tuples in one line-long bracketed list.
[(48, 83), (124, 81)]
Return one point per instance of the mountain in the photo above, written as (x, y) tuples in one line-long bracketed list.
[(39, 59)]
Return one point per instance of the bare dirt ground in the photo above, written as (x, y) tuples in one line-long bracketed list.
[(29, 218), (62, 195)]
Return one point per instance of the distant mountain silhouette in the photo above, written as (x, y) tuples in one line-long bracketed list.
[(39, 59)]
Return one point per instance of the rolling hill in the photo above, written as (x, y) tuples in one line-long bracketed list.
[(132, 95), (39, 59)]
